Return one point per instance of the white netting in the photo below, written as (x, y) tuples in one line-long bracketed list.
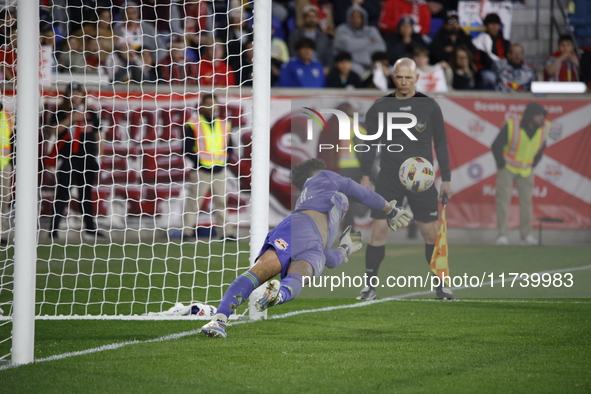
[(125, 119), (7, 103)]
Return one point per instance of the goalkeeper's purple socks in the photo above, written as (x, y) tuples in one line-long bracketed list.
[(291, 286), (238, 292)]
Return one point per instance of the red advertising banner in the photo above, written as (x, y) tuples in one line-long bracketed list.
[(562, 178)]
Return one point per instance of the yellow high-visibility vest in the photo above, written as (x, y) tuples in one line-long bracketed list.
[(347, 155), (210, 145), (520, 151), (5, 135)]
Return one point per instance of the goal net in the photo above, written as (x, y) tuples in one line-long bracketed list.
[(144, 168)]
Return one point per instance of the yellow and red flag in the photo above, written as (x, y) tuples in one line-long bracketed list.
[(439, 261)]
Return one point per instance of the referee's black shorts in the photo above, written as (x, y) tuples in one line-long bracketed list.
[(423, 205)]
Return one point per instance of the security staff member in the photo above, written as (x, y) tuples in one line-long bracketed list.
[(208, 146), (517, 150)]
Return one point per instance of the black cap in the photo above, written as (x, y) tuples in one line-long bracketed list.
[(492, 18)]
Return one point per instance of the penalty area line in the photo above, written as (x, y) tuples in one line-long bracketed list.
[(403, 297)]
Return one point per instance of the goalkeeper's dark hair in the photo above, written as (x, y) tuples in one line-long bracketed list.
[(303, 171)]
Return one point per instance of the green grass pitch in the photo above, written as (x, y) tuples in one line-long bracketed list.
[(479, 344)]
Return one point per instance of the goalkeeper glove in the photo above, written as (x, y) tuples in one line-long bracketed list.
[(350, 242), (398, 217)]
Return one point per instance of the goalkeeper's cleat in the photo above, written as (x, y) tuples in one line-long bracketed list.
[(216, 328), (444, 293), (368, 293), (270, 297)]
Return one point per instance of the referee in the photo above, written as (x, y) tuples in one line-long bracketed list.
[(429, 132)]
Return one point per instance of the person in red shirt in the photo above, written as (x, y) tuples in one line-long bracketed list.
[(563, 65), (393, 10), (176, 69), (213, 69)]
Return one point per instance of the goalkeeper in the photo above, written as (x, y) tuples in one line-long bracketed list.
[(301, 245)]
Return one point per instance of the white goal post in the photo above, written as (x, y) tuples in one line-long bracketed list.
[(152, 255)]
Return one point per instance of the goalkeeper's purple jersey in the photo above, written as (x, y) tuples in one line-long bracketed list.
[(327, 192)]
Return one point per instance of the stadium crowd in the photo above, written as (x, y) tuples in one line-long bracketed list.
[(316, 43)]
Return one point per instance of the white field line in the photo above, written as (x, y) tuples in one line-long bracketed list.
[(402, 297)]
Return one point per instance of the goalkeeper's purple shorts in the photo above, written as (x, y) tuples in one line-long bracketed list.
[(296, 238)]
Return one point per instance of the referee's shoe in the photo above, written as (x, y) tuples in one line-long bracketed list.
[(368, 293), (444, 293)]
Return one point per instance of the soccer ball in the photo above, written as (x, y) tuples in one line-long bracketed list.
[(417, 174)]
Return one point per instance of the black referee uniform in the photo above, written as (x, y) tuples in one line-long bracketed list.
[(429, 131)]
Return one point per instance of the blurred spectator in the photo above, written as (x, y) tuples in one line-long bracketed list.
[(302, 71), (439, 9), (46, 54), (279, 48), (199, 24), (513, 73), (359, 39), (462, 73), (279, 55), (149, 74), (325, 14), (279, 10), (381, 74), (213, 69), (491, 47), (139, 33), (311, 29), (7, 25), (431, 78), (394, 10), (92, 55), (341, 75), (176, 69), (244, 73), (70, 56), (166, 16), (8, 50), (372, 7), (76, 127), (127, 64), (403, 41), (6, 165), (563, 65), (448, 38), (235, 36), (579, 17), (101, 30)]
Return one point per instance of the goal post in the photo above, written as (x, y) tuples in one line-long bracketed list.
[(261, 97), (25, 254)]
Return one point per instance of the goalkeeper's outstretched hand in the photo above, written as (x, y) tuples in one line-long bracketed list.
[(350, 242), (398, 217)]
